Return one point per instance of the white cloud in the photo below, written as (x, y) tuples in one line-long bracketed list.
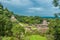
[(55, 7), (36, 9)]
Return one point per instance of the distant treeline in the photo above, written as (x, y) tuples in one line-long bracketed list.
[(29, 19)]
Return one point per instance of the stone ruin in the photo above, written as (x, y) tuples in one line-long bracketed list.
[(40, 27)]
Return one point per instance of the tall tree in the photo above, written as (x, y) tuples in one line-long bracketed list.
[(5, 23), (56, 3), (55, 24), (1, 9), (7, 13)]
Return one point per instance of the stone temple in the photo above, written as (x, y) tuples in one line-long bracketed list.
[(40, 27), (43, 27)]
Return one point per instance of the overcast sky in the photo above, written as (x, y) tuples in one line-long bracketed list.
[(31, 7)]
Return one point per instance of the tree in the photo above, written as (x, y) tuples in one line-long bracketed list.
[(5, 23), (56, 3), (5, 26), (55, 24), (7, 13), (1, 9), (18, 31)]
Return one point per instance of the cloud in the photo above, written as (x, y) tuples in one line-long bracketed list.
[(24, 2), (17, 2), (43, 1), (36, 9), (55, 7), (12, 2)]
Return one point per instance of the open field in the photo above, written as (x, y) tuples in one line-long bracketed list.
[(35, 37)]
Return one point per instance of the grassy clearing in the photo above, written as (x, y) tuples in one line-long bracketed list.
[(35, 37)]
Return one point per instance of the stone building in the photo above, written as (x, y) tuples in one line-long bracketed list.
[(43, 27), (13, 18), (40, 27)]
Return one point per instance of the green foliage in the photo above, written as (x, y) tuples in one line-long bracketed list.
[(18, 31), (29, 19), (56, 3), (1, 9), (35, 37), (54, 29), (55, 24), (7, 13), (9, 30), (8, 38), (5, 25)]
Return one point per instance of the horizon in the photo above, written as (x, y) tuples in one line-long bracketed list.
[(31, 7)]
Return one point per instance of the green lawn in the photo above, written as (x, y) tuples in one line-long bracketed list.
[(35, 37)]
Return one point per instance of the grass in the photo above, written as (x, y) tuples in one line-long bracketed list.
[(35, 37)]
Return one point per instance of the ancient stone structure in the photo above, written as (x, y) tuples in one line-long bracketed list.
[(40, 27), (13, 18), (43, 27)]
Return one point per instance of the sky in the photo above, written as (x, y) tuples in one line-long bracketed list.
[(42, 8)]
